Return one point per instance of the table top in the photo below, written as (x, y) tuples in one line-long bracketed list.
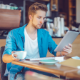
[(57, 69)]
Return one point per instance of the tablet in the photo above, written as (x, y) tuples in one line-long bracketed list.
[(68, 38)]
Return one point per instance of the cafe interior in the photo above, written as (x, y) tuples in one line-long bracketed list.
[(62, 16)]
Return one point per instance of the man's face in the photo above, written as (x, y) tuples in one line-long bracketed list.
[(38, 19)]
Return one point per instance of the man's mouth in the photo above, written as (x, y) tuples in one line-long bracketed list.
[(40, 24)]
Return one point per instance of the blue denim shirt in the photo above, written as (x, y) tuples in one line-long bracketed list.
[(15, 42)]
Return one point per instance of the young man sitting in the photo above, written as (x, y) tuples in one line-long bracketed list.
[(30, 38)]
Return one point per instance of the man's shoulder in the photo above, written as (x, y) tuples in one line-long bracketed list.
[(43, 30), (16, 30)]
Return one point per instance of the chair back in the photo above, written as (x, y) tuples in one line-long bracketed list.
[(3, 65)]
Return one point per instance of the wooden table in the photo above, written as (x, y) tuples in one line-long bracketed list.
[(65, 71)]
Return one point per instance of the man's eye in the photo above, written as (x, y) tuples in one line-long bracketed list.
[(44, 19), (39, 17)]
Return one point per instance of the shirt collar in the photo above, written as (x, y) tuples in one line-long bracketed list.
[(21, 31)]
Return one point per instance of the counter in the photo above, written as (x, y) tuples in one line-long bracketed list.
[(3, 37)]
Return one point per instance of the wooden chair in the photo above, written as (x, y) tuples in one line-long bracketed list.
[(3, 65)]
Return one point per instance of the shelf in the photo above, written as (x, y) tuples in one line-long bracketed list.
[(54, 5), (72, 14), (72, 6), (38, 0)]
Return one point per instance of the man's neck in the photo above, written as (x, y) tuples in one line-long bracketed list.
[(31, 31)]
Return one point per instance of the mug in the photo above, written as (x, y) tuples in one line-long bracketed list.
[(20, 54), (7, 6), (2, 6)]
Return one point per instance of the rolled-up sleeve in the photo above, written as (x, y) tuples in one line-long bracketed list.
[(10, 43), (51, 45)]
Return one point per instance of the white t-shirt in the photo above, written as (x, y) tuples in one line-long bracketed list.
[(31, 47)]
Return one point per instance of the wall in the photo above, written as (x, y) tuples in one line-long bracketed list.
[(78, 11)]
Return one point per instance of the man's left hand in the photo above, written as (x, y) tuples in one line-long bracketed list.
[(67, 49)]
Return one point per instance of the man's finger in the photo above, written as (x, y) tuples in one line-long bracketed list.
[(15, 59), (70, 45), (68, 50), (14, 55), (13, 52)]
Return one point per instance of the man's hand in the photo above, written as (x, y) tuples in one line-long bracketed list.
[(67, 49), (14, 57), (9, 58)]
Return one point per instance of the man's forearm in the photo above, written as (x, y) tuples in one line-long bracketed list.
[(58, 54), (7, 58), (62, 53)]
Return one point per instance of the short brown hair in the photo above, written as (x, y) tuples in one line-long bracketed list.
[(36, 6)]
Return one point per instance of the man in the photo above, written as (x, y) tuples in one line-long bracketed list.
[(30, 38)]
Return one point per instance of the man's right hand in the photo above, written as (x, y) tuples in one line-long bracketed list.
[(9, 58), (14, 57)]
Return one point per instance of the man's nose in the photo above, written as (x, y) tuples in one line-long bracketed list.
[(42, 21)]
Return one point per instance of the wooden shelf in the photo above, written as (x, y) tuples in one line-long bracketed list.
[(65, 17), (72, 14), (55, 4), (72, 6), (72, 11), (38, 0)]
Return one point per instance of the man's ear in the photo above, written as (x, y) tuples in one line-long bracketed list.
[(30, 17)]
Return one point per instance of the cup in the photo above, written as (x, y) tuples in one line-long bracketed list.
[(15, 7), (7, 6), (12, 7), (2, 6), (20, 54)]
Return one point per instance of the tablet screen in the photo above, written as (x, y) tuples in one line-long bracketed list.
[(67, 39)]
